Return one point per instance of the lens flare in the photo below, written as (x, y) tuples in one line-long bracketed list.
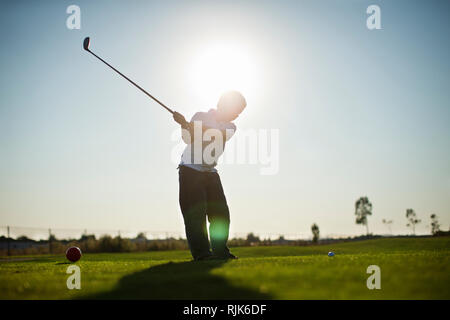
[(220, 67)]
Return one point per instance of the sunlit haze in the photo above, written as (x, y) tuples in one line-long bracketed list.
[(359, 112)]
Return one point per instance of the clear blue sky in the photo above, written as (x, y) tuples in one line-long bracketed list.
[(359, 112)]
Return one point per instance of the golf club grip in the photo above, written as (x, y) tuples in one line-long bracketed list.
[(137, 86)]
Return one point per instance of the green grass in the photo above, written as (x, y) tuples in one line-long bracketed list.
[(411, 268)]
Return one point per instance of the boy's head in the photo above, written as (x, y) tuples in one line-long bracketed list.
[(230, 105)]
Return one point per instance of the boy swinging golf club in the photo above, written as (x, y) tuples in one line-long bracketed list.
[(201, 193)]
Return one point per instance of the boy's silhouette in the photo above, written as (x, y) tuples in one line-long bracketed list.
[(201, 193)]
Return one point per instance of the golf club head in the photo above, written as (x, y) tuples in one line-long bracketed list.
[(86, 43)]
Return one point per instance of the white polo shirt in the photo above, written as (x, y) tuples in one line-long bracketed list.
[(207, 160)]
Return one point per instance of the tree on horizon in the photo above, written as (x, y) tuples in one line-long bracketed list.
[(388, 224), (315, 232), (412, 219), (435, 226), (363, 208)]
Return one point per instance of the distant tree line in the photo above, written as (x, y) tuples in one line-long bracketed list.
[(363, 209), (89, 243)]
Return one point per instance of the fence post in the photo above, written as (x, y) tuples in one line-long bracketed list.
[(7, 240), (50, 240)]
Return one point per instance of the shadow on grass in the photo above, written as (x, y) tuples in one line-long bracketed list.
[(183, 280)]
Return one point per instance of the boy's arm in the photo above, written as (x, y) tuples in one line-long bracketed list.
[(179, 118), (189, 126)]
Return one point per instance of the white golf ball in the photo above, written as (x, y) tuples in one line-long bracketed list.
[(331, 254)]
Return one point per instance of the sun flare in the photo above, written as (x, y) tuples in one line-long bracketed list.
[(221, 67)]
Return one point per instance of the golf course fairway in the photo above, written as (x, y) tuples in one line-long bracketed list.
[(410, 268)]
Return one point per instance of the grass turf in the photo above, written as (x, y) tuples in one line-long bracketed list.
[(411, 268)]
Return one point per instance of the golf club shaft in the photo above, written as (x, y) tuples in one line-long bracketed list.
[(148, 94)]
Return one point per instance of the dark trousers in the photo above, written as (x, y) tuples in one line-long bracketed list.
[(201, 196)]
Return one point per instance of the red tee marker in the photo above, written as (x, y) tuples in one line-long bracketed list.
[(73, 254)]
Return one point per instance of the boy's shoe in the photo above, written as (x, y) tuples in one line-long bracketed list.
[(205, 257), (227, 256)]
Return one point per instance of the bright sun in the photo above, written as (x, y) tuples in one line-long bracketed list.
[(221, 67)]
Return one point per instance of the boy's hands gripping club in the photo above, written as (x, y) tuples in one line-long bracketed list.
[(179, 118)]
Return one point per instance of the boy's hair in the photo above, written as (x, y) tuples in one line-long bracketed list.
[(233, 100)]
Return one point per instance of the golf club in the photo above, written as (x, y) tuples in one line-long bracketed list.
[(86, 43)]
